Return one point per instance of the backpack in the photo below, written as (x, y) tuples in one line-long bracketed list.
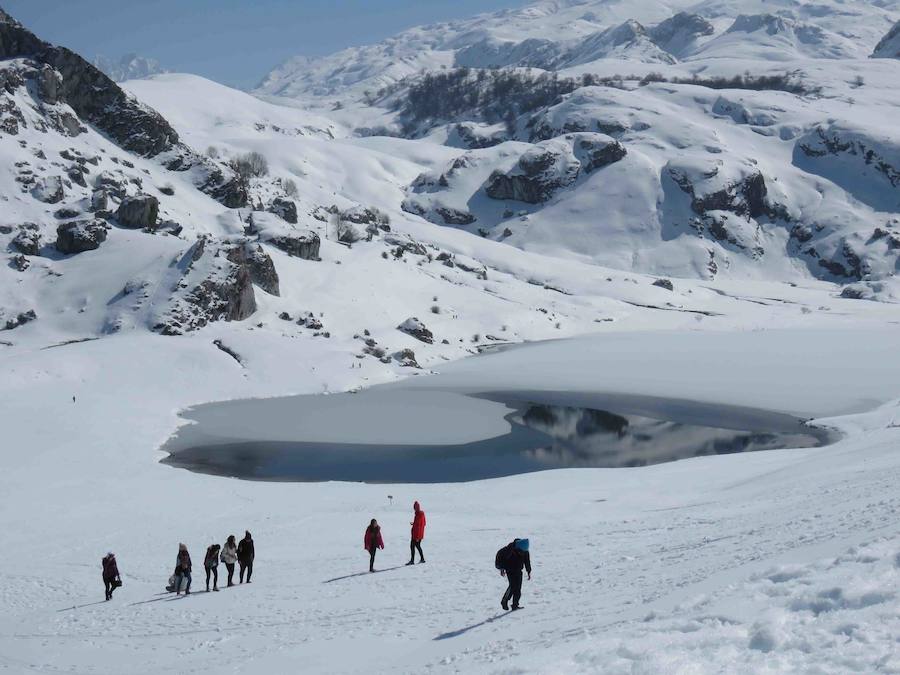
[(501, 560)]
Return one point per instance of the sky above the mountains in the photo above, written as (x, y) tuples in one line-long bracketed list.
[(235, 42)]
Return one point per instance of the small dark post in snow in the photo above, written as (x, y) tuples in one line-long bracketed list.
[(391, 499)]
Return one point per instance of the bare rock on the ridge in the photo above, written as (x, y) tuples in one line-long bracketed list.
[(28, 239), (80, 235), (49, 189), (286, 209), (140, 211), (415, 328)]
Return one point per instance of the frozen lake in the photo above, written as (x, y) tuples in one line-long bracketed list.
[(395, 434)]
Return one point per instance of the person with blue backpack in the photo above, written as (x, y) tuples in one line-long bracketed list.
[(510, 560)]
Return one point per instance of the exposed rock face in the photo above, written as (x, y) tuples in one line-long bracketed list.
[(295, 242), (93, 96), (679, 31), (99, 200), (28, 239), (745, 196), (48, 189), (664, 283), (471, 137), (140, 211), (412, 326), (298, 243), (537, 176), (216, 286), (111, 184), (552, 165), (889, 46), (262, 269), (19, 320), (80, 235), (598, 153), (453, 216), (286, 209)]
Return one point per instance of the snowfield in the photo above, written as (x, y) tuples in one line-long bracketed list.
[(642, 223), (778, 561)]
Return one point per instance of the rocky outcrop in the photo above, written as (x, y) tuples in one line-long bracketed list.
[(28, 239), (262, 269), (553, 165), (140, 211), (49, 189), (216, 285), (286, 209), (295, 242), (20, 319), (664, 283), (81, 235), (889, 46), (415, 328), (65, 77), (537, 176), (596, 153), (678, 32)]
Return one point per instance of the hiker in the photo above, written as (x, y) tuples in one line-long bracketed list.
[(418, 534), (182, 570), (510, 560), (111, 578), (245, 555), (372, 541), (211, 564), (229, 557)]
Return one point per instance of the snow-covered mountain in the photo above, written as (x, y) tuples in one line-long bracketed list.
[(128, 67), (752, 135)]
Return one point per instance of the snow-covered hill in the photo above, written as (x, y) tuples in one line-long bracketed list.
[(753, 135)]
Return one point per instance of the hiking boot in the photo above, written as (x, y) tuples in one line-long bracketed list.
[(421, 561), (215, 589), (515, 607), (504, 605), (411, 562)]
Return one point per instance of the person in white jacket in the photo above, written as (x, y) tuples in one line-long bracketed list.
[(229, 557)]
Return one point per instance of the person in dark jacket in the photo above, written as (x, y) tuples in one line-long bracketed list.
[(182, 570), (417, 534), (110, 574), (372, 541), (211, 565), (229, 557), (245, 554), (510, 560)]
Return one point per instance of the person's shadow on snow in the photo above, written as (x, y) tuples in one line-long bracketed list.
[(463, 631), (363, 574)]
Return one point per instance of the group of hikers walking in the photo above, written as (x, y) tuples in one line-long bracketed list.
[(510, 560), (242, 553)]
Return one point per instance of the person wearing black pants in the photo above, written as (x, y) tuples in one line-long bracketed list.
[(229, 557), (246, 553), (372, 541), (510, 561), (211, 563)]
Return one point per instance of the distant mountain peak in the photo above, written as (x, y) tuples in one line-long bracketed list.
[(129, 67)]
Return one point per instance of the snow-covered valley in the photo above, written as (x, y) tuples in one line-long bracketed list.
[(689, 208)]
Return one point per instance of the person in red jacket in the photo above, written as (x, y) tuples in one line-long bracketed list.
[(372, 541), (418, 534)]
